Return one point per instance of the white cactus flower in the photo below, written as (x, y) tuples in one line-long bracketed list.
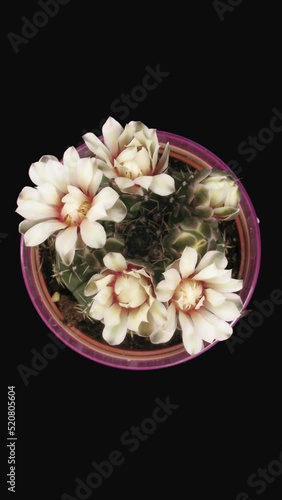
[(124, 299), (220, 192), (200, 298), (129, 155), (67, 201)]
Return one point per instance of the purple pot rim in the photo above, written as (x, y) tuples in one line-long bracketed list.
[(137, 364)]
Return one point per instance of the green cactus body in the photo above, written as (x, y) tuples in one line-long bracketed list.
[(75, 276)]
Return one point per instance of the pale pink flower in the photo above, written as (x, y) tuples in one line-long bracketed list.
[(67, 201), (200, 299), (124, 299), (130, 156)]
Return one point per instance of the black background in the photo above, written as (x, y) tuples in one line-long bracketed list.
[(222, 86)]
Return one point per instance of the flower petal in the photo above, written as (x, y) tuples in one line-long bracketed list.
[(38, 233), (223, 330), (58, 174), (192, 342), (130, 293), (106, 168), (49, 194), (70, 157), (164, 291), (137, 298), (163, 162), (30, 194), (112, 316), (52, 172), (116, 334), (97, 282), (117, 213), (157, 313), (136, 317), (74, 195), (162, 184), (85, 171), (144, 181), (97, 176), (215, 298), (226, 213), (226, 311), (97, 310), (127, 134), (34, 210), (207, 273), (106, 198), (94, 144), (46, 158), (93, 234), (105, 297), (142, 159), (26, 224), (126, 155), (236, 299), (115, 261), (212, 257), (111, 131), (233, 196), (164, 333), (38, 173), (65, 244), (145, 329), (203, 328), (96, 212), (123, 183), (173, 277), (232, 285), (222, 276), (188, 262), (70, 160)]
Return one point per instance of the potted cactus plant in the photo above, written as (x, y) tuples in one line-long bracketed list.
[(140, 249)]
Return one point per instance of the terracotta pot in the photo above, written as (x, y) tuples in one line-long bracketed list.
[(250, 248)]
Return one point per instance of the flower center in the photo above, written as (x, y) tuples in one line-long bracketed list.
[(73, 215), (131, 172), (188, 295), (129, 291), (134, 166)]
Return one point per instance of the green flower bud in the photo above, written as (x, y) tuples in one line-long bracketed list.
[(193, 232), (219, 192)]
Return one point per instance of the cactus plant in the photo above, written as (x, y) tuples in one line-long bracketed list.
[(141, 210)]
